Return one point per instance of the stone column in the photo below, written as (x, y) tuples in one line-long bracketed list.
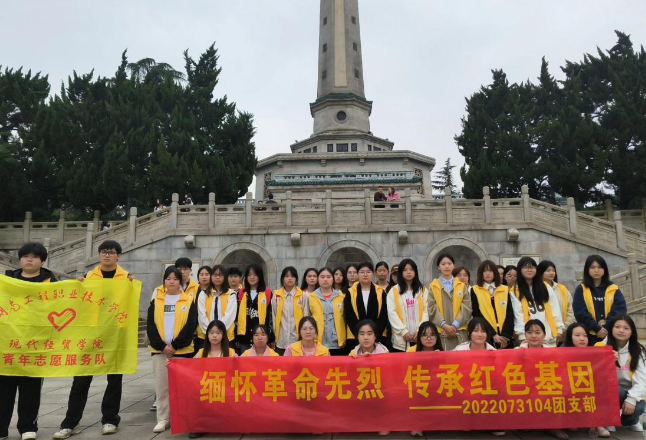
[(448, 203), (80, 269), (288, 209), (132, 226), (487, 203), (248, 209), (89, 235), (96, 220), (609, 209), (61, 227), (328, 207), (174, 209), (633, 270), (409, 206), (47, 242), (26, 227), (367, 203), (572, 215), (211, 210), (527, 207), (619, 230)]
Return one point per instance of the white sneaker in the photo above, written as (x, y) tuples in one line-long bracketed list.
[(161, 426), (108, 429), (637, 427), (153, 407), (29, 435), (611, 428), (67, 433)]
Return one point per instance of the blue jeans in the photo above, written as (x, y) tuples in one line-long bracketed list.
[(639, 409)]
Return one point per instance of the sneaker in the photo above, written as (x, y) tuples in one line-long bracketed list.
[(417, 434), (637, 427), (499, 433), (561, 435), (108, 429), (153, 407), (383, 433), (601, 432), (31, 435), (161, 426), (611, 428), (67, 433)]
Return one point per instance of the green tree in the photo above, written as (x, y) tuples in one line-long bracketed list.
[(444, 178)]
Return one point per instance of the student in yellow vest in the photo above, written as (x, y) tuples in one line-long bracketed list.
[(449, 304), (288, 306), (254, 307), (172, 318), (260, 341), (547, 271), (490, 300), (365, 300), (630, 359), (307, 344), (185, 266), (216, 303), (326, 307), (32, 256), (234, 279), (109, 254), (205, 289), (597, 301), (216, 344), (533, 299), (406, 303)]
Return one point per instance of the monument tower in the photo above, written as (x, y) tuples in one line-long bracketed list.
[(341, 154)]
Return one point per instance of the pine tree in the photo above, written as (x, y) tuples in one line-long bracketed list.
[(444, 178)]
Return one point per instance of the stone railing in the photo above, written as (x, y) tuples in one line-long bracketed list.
[(291, 215), (632, 218), (632, 284)]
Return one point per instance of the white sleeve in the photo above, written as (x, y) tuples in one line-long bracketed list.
[(230, 316), (519, 319), (569, 318), (202, 319), (399, 328), (556, 311), (153, 295), (638, 391)]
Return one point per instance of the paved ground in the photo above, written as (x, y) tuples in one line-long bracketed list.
[(137, 420)]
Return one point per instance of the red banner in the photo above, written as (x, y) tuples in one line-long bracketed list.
[(478, 390)]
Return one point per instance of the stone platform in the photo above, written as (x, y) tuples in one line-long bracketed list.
[(137, 421)]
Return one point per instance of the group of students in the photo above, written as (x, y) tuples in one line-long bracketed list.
[(346, 311)]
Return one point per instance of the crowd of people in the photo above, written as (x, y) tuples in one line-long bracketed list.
[(357, 310)]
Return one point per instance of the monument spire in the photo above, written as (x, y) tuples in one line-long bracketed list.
[(341, 106)]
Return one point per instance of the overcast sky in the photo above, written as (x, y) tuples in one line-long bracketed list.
[(421, 57)]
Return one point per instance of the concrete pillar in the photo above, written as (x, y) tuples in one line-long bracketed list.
[(487, 203), (61, 227), (448, 203), (367, 203), (211, 210), (288, 209), (609, 209), (174, 209), (619, 229), (527, 207), (328, 207), (408, 202), (26, 227), (47, 242), (572, 215), (633, 271), (248, 209), (89, 235), (132, 226), (80, 269), (97, 220)]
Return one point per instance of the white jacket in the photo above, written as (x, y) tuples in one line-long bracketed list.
[(636, 385), (399, 326), (519, 318)]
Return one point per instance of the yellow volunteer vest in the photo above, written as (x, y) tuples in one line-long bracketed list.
[(458, 297), (222, 306), (201, 351), (96, 273), (352, 291), (297, 349), (242, 311), (272, 353), (562, 290), (501, 296), (182, 307), (607, 302), (280, 303), (192, 289), (548, 311), (316, 310), (418, 300)]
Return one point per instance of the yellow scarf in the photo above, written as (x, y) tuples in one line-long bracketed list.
[(182, 308), (96, 273), (242, 311), (297, 349)]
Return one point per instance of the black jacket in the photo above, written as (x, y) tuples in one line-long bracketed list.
[(45, 275)]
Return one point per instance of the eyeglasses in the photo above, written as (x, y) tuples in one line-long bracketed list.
[(511, 276), (431, 336), (108, 253), (528, 268), (365, 272)]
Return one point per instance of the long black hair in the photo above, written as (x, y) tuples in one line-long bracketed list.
[(421, 331), (172, 270), (635, 349), (539, 292), (291, 270), (474, 324), (209, 288), (570, 330), (491, 266), (506, 271), (225, 274), (587, 279), (341, 269), (304, 281), (257, 268), (416, 285), (225, 339), (544, 265)]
